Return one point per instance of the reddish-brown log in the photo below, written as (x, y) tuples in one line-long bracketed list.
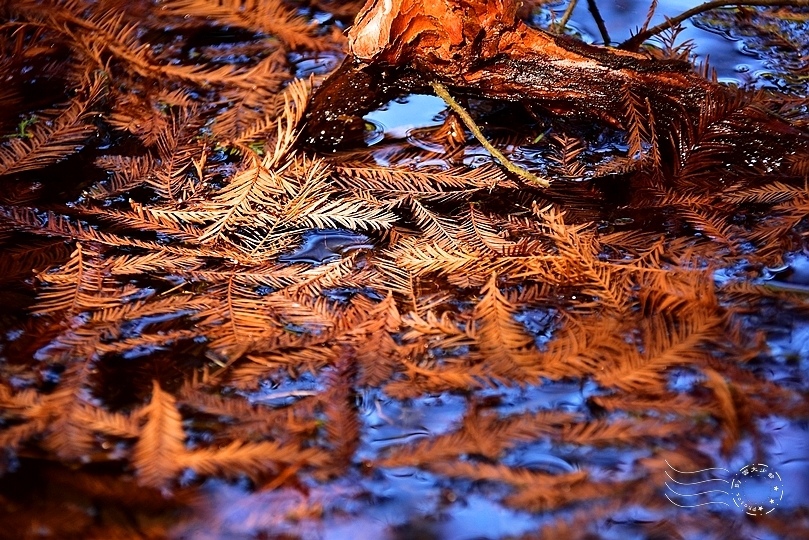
[(480, 48)]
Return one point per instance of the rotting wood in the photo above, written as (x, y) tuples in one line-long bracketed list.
[(481, 49)]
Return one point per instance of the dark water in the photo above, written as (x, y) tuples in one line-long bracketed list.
[(410, 503), (728, 55), (737, 60), (326, 245)]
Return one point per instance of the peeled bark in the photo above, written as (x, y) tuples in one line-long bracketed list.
[(481, 49)]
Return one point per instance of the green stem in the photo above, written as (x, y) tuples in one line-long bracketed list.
[(443, 93)]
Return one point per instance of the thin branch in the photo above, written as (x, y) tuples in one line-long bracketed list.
[(635, 41), (568, 13), (602, 27), (443, 93)]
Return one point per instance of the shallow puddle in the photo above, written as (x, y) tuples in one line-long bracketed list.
[(322, 246), (214, 333)]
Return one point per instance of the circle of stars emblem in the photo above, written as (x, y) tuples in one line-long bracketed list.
[(757, 489)]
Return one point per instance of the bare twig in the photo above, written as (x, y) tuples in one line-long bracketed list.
[(444, 94), (602, 28), (568, 13), (635, 41)]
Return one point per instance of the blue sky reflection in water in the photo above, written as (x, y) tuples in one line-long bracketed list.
[(727, 54)]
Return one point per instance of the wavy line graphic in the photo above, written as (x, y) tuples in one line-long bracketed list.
[(695, 494), (697, 482), (696, 472), (694, 505)]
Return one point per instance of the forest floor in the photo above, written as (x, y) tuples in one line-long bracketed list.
[(211, 330)]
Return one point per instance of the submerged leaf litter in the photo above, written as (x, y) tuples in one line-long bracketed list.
[(317, 374)]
